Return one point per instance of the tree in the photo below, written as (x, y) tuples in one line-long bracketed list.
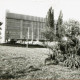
[(50, 18), (75, 28), (71, 27), (48, 33), (59, 24)]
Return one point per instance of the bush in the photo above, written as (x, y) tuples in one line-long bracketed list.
[(72, 62), (12, 41), (56, 55)]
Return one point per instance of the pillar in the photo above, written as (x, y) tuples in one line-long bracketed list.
[(32, 31), (21, 27)]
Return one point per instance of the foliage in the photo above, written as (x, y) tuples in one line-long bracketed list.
[(72, 62), (67, 37), (70, 49), (48, 34), (71, 27), (56, 55), (50, 18), (59, 24), (49, 31)]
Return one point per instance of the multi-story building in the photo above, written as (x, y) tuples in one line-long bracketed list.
[(19, 27)]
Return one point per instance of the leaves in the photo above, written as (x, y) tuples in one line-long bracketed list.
[(48, 33), (59, 25), (50, 18)]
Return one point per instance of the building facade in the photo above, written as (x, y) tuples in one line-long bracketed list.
[(21, 27)]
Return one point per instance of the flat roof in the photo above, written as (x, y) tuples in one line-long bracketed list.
[(24, 17)]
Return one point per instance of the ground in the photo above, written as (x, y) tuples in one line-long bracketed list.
[(28, 63)]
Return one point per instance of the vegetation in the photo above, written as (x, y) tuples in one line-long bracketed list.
[(59, 25), (48, 32), (67, 36), (50, 18)]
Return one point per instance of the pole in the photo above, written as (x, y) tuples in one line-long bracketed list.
[(32, 33), (27, 37)]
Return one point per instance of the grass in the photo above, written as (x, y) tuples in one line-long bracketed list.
[(28, 63)]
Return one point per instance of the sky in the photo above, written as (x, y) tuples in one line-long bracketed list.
[(70, 8), (39, 8)]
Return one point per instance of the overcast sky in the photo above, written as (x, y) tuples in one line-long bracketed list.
[(70, 8)]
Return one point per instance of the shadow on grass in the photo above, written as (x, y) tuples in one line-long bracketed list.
[(23, 45), (16, 75), (10, 74)]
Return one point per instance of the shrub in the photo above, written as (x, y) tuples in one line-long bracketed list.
[(12, 41), (72, 62)]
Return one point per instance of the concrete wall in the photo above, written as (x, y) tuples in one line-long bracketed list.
[(20, 26)]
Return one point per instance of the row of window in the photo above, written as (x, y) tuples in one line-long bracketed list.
[(14, 22), (14, 27)]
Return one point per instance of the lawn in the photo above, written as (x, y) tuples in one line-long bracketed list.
[(28, 63)]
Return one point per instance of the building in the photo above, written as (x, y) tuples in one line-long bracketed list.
[(20, 27)]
